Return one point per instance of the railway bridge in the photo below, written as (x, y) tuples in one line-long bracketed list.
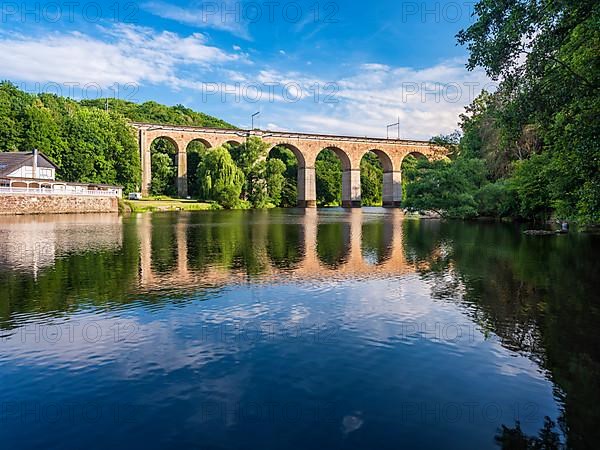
[(306, 148)]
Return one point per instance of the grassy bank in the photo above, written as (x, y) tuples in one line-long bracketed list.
[(164, 204)]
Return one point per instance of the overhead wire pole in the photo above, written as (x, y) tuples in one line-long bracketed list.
[(251, 126), (397, 124), (253, 116)]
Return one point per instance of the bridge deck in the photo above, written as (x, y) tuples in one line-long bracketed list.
[(280, 134)]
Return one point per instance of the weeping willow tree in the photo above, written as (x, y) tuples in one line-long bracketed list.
[(219, 178)]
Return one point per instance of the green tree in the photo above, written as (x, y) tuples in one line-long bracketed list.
[(371, 180), (163, 172), (154, 112), (43, 133), (448, 188), (219, 178), (13, 104), (328, 170), (530, 182), (275, 178), (249, 157), (547, 58), (289, 193), (194, 152)]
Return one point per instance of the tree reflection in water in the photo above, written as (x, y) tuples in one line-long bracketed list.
[(539, 295)]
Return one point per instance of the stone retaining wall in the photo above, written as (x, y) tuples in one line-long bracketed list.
[(56, 204)]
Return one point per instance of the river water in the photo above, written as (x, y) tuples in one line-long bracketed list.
[(292, 329)]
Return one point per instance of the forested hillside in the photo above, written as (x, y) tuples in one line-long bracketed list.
[(87, 143), (153, 112)]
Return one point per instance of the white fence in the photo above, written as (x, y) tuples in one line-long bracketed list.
[(47, 191)]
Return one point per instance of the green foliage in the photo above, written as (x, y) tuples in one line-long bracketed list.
[(99, 148), (448, 188), (329, 179), (371, 180), (219, 178), (153, 112), (409, 174), (195, 150), (256, 185), (249, 153), (87, 144), (13, 104), (544, 114), (163, 173), (250, 158), (43, 132), (275, 169), (496, 200), (289, 192), (530, 182)]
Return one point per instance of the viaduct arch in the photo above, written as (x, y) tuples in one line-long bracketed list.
[(306, 147)]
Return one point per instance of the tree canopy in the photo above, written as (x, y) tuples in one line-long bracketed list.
[(538, 133)]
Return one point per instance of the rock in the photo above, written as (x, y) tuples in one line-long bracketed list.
[(539, 233)]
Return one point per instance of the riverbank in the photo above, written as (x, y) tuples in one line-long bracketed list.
[(164, 204)]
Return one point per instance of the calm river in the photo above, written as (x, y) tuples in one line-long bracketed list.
[(285, 329)]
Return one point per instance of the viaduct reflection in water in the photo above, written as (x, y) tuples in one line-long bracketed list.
[(192, 250), (49, 262)]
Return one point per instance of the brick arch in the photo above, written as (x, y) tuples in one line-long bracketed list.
[(300, 157), (416, 154), (350, 176), (233, 143), (342, 155), (203, 141), (166, 138), (384, 158), (180, 160)]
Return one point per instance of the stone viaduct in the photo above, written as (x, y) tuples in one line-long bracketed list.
[(305, 147)]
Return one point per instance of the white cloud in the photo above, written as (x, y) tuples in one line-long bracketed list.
[(428, 101), (121, 54), (222, 16)]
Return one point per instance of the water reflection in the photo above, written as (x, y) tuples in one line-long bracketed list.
[(528, 307), (218, 248), (31, 243)]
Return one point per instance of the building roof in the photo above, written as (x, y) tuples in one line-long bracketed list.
[(11, 161)]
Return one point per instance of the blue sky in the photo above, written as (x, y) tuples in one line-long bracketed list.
[(331, 67)]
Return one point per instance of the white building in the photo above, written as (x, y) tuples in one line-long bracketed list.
[(34, 173)]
